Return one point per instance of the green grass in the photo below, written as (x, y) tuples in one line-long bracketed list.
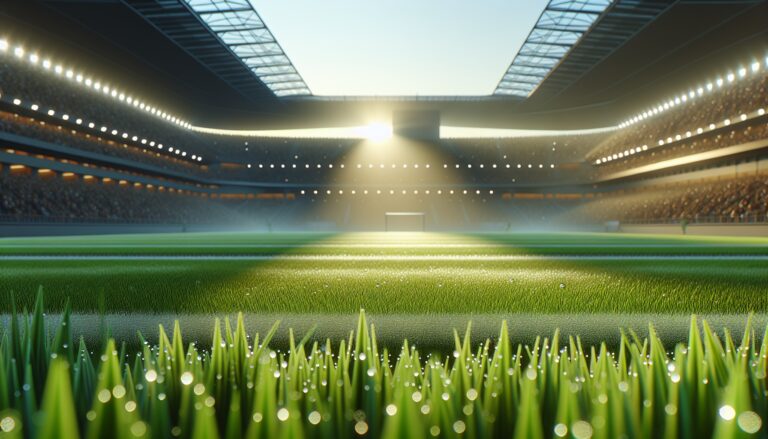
[(396, 273), (394, 286), (384, 243), (51, 387)]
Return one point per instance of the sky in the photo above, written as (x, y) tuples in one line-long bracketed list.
[(400, 47)]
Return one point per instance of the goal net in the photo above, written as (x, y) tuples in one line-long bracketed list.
[(404, 221)]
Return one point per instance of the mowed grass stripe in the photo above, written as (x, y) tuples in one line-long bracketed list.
[(396, 286), (384, 243)]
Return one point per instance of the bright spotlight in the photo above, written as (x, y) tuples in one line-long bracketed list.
[(377, 132)]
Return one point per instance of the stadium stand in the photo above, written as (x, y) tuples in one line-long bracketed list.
[(55, 114), (741, 199)]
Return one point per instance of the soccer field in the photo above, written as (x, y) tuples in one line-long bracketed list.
[(406, 280)]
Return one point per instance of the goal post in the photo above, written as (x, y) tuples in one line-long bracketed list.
[(405, 221)]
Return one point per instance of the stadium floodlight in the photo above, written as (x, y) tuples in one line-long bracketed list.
[(34, 107), (742, 72), (91, 125), (65, 117), (377, 132), (761, 111), (58, 69), (743, 117), (755, 66), (34, 58), (727, 122), (3, 45), (51, 112), (731, 77), (17, 102), (712, 126), (103, 129), (79, 121), (114, 132), (645, 147), (18, 51), (69, 74)]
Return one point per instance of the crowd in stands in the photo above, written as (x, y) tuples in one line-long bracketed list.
[(731, 200), (32, 197), (57, 135), (36, 198), (737, 135), (22, 80), (730, 101)]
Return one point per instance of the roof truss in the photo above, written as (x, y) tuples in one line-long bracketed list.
[(238, 26), (558, 29)]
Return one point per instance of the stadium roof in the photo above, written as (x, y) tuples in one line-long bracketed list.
[(422, 49), (635, 50), (559, 28), (241, 30)]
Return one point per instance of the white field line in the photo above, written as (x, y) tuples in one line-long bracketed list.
[(353, 258)]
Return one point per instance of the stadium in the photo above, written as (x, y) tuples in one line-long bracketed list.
[(341, 219)]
